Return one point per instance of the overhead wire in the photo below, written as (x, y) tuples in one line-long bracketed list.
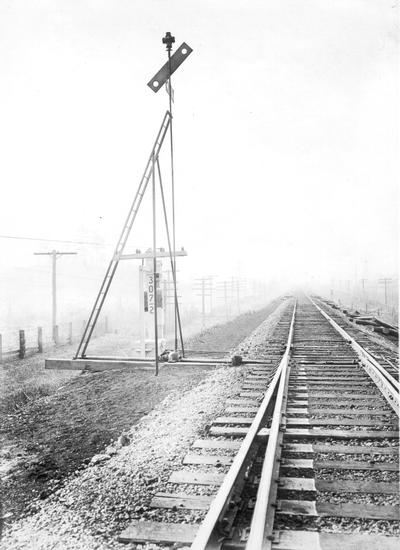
[(52, 240)]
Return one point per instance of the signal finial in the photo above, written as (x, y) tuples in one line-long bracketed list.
[(168, 40)]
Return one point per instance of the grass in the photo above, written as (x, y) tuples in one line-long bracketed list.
[(25, 380), (21, 383)]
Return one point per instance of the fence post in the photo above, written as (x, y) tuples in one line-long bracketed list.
[(56, 338), (70, 333), (22, 348), (40, 339), (1, 348)]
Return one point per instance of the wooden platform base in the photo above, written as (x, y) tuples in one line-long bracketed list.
[(96, 365)]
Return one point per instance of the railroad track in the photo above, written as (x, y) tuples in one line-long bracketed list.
[(304, 458), (383, 351)]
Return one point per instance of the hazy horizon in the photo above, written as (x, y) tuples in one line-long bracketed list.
[(286, 134)]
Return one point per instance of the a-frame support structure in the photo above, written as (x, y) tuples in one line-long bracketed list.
[(149, 173)]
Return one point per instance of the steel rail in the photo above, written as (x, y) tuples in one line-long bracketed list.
[(366, 353), (395, 367), (257, 536), (385, 382), (206, 537), (358, 347)]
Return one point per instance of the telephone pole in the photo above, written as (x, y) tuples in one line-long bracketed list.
[(55, 254), (363, 281), (385, 281), (169, 299), (204, 286), (226, 288), (238, 284)]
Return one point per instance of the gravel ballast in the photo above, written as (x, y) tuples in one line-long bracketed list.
[(105, 497), (96, 503)]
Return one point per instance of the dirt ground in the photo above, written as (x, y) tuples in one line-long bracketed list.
[(57, 434), (51, 434)]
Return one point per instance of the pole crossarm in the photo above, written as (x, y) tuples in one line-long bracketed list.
[(55, 252), (144, 255)]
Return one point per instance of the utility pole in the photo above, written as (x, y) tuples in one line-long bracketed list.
[(363, 281), (205, 288), (385, 281), (55, 254), (226, 286), (238, 284), (169, 297)]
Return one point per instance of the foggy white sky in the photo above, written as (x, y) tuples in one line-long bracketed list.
[(286, 131)]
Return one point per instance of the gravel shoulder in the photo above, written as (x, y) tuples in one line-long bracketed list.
[(59, 494)]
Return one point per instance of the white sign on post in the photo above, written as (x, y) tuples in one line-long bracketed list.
[(150, 287), (152, 297)]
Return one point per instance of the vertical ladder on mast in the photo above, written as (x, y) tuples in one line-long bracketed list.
[(98, 304)]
